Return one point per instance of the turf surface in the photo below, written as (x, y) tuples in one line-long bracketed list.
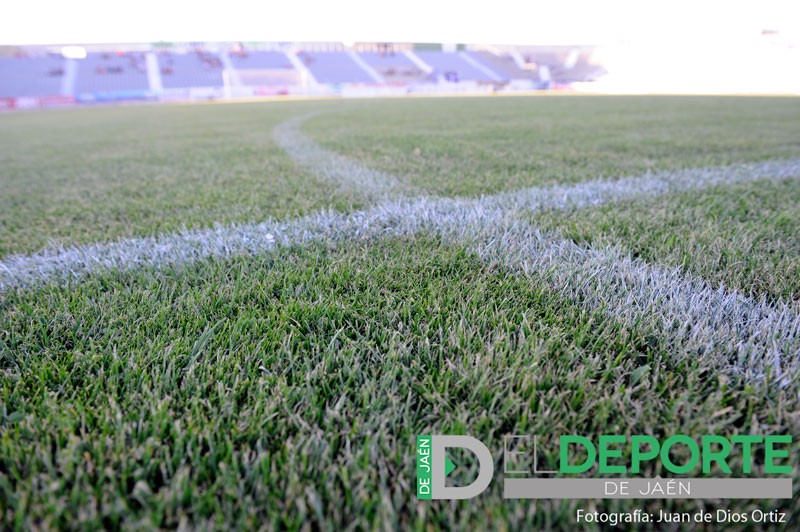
[(482, 146), (287, 390), (284, 389), (743, 236), (87, 175)]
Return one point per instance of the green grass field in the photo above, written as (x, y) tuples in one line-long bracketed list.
[(83, 175), (743, 236), (283, 388)]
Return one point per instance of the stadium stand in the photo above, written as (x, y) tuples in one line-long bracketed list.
[(456, 66), (31, 76), (503, 65), (112, 72), (184, 71), (258, 69), (580, 68), (334, 67), (394, 67), (39, 77), (260, 60), (565, 64)]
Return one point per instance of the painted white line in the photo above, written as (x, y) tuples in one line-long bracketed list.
[(348, 174), (598, 192), (734, 332), (77, 261), (731, 331)]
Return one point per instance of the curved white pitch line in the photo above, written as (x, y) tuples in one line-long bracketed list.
[(221, 241), (733, 331), (598, 192), (349, 175)]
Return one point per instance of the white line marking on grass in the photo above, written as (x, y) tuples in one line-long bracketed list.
[(728, 329), (348, 174), (598, 192), (352, 175), (221, 241), (731, 330), (735, 332)]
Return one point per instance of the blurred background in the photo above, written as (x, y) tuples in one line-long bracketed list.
[(65, 53)]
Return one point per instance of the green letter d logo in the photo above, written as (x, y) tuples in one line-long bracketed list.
[(439, 444)]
